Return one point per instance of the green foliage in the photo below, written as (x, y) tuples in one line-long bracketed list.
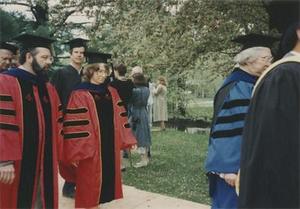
[(10, 25), (200, 113), (187, 41), (173, 171)]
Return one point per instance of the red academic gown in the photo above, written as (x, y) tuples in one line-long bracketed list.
[(83, 144), (12, 141)]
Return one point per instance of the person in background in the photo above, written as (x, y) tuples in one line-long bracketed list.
[(150, 102), (123, 85), (139, 70), (64, 81), (30, 129), (139, 117), (95, 130), (7, 53), (136, 69), (230, 108), (160, 108), (67, 78)]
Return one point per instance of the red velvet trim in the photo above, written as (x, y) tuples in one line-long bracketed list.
[(39, 165), (57, 139)]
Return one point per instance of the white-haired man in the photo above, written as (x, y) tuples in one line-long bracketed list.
[(230, 108)]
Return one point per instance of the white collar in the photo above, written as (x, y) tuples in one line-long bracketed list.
[(295, 53)]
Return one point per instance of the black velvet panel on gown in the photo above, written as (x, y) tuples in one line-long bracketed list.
[(105, 116), (64, 81), (48, 158), (31, 143), (30, 146)]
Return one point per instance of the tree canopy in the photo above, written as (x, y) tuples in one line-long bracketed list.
[(187, 41)]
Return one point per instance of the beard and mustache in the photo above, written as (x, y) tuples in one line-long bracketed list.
[(37, 67), (40, 71)]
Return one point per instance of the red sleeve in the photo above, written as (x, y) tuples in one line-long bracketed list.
[(81, 127), (59, 130), (11, 119), (57, 120)]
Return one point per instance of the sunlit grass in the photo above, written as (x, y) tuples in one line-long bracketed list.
[(176, 168)]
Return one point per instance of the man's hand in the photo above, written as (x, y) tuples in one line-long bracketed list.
[(7, 174), (75, 164), (237, 183), (229, 178)]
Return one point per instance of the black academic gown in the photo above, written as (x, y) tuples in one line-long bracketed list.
[(104, 107), (124, 89), (64, 81), (270, 148)]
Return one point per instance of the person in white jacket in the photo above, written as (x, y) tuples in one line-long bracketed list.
[(150, 101)]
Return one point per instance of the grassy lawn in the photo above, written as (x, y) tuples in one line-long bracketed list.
[(176, 167)]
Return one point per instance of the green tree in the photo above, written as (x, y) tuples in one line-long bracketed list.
[(188, 41), (178, 39), (53, 17), (11, 25)]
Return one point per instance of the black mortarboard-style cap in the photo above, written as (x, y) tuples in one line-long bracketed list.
[(255, 40), (29, 41), (9, 46), (77, 42), (282, 13), (97, 57)]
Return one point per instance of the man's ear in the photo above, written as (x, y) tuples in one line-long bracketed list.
[(29, 57)]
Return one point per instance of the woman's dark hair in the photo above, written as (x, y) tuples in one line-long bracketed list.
[(121, 68), (139, 79), (90, 69)]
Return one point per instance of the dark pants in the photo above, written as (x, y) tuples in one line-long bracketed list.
[(69, 189)]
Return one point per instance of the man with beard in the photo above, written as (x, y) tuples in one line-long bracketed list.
[(64, 81), (7, 51), (30, 125), (30, 128), (270, 166)]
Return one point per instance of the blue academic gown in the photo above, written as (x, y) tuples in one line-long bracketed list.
[(230, 108)]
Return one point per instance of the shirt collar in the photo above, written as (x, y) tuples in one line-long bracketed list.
[(295, 53)]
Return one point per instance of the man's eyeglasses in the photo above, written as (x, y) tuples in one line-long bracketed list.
[(267, 58)]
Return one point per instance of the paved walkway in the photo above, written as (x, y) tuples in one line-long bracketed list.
[(138, 199)]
